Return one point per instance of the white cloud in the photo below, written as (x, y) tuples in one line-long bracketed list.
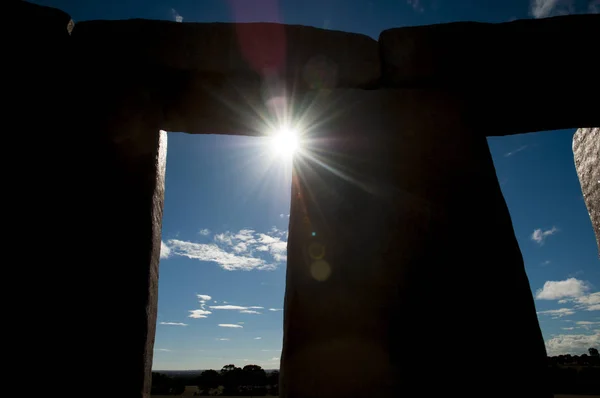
[(590, 302), (258, 338), (572, 344), (546, 262), (554, 290), (176, 16), (243, 250), (571, 328), (519, 149), (275, 309), (227, 307), (241, 309), (540, 236), (199, 313), (213, 253), (162, 349), (165, 252), (204, 297), (230, 325), (559, 313), (281, 215), (587, 324), (223, 238), (240, 247), (223, 339), (204, 232), (550, 8), (174, 323)]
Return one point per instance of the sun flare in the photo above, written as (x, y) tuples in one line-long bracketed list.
[(284, 142)]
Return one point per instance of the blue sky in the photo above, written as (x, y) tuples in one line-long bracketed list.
[(227, 198)]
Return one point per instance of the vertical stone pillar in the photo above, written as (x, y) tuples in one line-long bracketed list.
[(122, 167), (86, 186), (404, 275), (586, 151), (126, 206)]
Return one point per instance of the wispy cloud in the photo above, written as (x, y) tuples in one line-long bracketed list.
[(228, 307), (213, 253), (241, 309), (257, 338), (176, 16), (550, 8), (587, 324), (539, 235), (519, 149), (202, 312), (206, 310), (174, 323), (547, 262), (165, 252), (162, 349), (559, 313), (230, 325), (590, 302), (572, 343), (204, 232), (199, 313), (243, 250), (223, 339), (275, 309), (569, 288), (233, 307)]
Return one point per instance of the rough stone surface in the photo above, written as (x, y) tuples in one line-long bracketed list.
[(378, 255), (308, 57), (522, 51), (586, 149), (516, 77), (124, 168)]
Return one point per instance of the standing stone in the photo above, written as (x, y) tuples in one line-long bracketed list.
[(404, 273), (586, 149)]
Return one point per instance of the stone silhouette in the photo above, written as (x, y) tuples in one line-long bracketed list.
[(405, 226)]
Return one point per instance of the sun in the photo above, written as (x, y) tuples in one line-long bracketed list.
[(284, 142)]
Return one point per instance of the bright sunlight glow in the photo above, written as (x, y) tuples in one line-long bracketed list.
[(284, 142)]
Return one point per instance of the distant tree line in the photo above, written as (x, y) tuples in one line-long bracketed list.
[(568, 374), (251, 380), (575, 374)]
